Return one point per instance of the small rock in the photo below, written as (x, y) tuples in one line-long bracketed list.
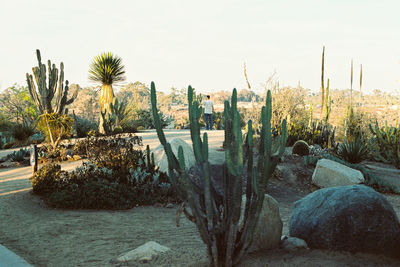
[(76, 157), (293, 243), (9, 164), (144, 253), (169, 206)]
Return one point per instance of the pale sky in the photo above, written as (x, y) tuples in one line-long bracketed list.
[(204, 43)]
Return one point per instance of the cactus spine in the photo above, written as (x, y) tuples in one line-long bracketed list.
[(215, 213), (45, 92)]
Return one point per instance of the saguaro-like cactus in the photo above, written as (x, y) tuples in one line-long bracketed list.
[(217, 211), (322, 80), (45, 92), (327, 104)]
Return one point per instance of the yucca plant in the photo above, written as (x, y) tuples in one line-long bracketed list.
[(108, 70), (353, 151), (216, 210)]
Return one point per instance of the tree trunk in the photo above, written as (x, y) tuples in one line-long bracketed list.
[(106, 98)]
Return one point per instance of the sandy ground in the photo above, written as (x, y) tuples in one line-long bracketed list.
[(53, 237)]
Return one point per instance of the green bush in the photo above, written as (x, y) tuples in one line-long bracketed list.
[(117, 176), (301, 148), (353, 151), (21, 133), (83, 126), (142, 117)]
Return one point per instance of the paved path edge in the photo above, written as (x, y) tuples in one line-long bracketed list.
[(9, 258)]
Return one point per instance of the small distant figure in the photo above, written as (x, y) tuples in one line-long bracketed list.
[(208, 112)]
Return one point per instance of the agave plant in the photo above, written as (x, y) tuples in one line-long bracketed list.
[(106, 69), (353, 151)]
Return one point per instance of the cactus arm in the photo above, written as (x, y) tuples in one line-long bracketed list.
[(156, 117), (33, 93)]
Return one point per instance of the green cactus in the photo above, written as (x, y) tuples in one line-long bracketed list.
[(45, 92), (327, 104), (322, 81), (215, 213)]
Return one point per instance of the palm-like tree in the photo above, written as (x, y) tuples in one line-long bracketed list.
[(106, 69)]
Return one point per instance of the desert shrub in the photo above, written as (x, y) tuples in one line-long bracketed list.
[(301, 148), (142, 117), (118, 130), (356, 125), (47, 179), (353, 151), (385, 143), (21, 133), (218, 118), (8, 145), (117, 176), (289, 103), (83, 126), (315, 133)]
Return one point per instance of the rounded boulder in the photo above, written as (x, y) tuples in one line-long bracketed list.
[(351, 218)]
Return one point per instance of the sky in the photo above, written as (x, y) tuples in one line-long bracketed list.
[(205, 43)]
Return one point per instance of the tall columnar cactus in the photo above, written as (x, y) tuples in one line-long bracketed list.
[(322, 81), (216, 212), (327, 104), (351, 85), (360, 80), (45, 92)]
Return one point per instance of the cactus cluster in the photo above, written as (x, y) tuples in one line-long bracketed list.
[(111, 117), (216, 212), (45, 92), (387, 143)]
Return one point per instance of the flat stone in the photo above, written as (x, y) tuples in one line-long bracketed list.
[(329, 173), (144, 253), (385, 173), (290, 243)]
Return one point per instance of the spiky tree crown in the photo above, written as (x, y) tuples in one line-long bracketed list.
[(107, 69)]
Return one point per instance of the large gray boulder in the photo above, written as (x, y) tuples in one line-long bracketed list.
[(329, 173), (269, 227), (160, 157), (352, 218)]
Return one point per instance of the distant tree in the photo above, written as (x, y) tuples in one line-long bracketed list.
[(18, 106), (87, 105)]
